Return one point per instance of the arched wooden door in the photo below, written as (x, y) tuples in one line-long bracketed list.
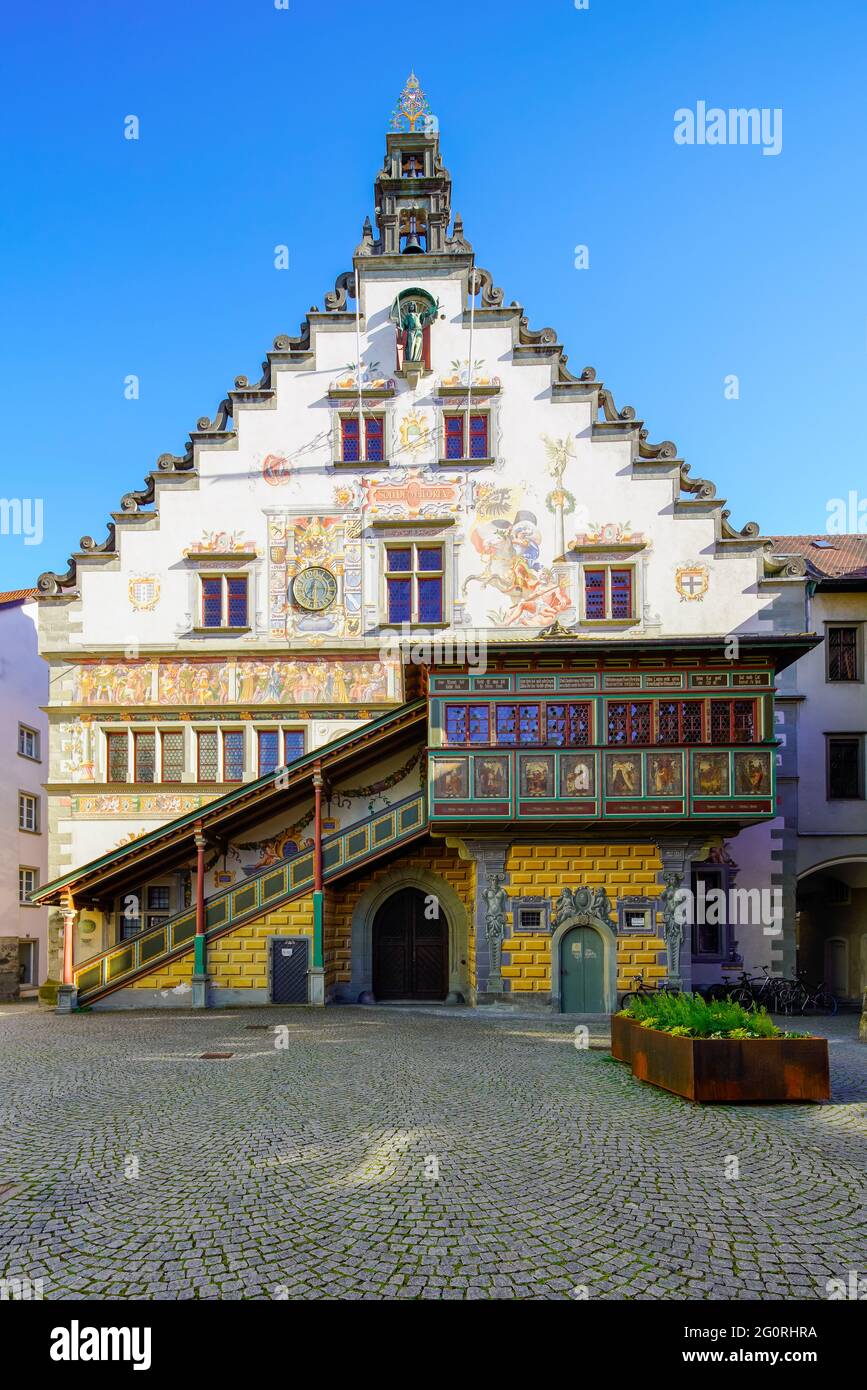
[(410, 949), (582, 973)]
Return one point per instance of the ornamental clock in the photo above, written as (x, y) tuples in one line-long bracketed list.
[(314, 589)]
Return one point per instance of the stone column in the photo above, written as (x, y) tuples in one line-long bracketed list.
[(490, 860), (67, 994), (200, 945)]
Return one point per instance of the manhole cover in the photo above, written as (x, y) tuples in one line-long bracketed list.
[(214, 1056)]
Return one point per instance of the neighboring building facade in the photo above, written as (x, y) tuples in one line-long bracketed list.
[(445, 627), (823, 698), (23, 816)]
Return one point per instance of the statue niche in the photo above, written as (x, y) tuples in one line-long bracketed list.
[(412, 313)]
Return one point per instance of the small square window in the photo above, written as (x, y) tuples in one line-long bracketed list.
[(845, 769), (28, 743), (28, 882), (843, 653), (414, 583)]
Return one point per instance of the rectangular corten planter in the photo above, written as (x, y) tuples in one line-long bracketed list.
[(731, 1069), (622, 1029)]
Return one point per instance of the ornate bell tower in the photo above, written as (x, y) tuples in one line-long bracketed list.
[(413, 189)]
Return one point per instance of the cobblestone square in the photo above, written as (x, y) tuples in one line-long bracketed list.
[(407, 1153)]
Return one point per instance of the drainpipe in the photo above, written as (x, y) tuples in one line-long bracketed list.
[(200, 946), (316, 974), (67, 994)]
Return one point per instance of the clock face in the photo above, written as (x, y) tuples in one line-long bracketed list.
[(314, 589)]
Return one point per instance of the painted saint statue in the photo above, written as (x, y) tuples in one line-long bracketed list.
[(413, 320)]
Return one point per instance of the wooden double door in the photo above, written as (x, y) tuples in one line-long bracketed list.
[(410, 948)]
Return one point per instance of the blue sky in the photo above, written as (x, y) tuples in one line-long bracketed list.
[(262, 126)]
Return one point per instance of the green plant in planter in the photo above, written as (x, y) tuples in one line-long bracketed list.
[(691, 1016)]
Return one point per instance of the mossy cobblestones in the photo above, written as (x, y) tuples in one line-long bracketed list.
[(307, 1172)]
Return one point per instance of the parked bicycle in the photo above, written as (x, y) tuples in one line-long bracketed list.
[(641, 990), (777, 993), (819, 1001)]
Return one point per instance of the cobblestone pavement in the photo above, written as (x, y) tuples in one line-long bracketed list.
[(407, 1153)]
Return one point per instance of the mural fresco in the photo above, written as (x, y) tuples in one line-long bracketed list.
[(577, 775), (193, 682), (710, 774), (245, 681), (491, 776), (665, 774), (537, 776), (606, 533), (511, 563), (276, 470), (221, 543), (459, 373), (753, 774), (331, 542), (450, 778), (311, 682), (112, 804), (113, 683), (76, 760), (623, 774), (412, 493), (372, 378)]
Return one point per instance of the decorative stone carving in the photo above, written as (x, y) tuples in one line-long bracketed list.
[(609, 409), (701, 486), (666, 450), (344, 285), (582, 904), (496, 906), (671, 925)]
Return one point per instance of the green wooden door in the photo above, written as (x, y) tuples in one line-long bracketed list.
[(582, 958)]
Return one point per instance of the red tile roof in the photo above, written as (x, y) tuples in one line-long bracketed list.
[(834, 557), (17, 595)]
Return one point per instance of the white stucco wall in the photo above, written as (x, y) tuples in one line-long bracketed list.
[(23, 689)]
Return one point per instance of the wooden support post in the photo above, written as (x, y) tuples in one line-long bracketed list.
[(200, 945), (316, 992)]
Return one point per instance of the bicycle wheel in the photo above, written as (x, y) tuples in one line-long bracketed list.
[(628, 998), (741, 996), (821, 1004)]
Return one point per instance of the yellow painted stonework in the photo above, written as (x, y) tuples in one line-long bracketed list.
[(340, 902), (239, 960), (167, 976), (543, 870)]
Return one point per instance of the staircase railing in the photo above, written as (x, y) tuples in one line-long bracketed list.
[(268, 887)]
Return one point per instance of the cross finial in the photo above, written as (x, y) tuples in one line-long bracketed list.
[(412, 106)]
